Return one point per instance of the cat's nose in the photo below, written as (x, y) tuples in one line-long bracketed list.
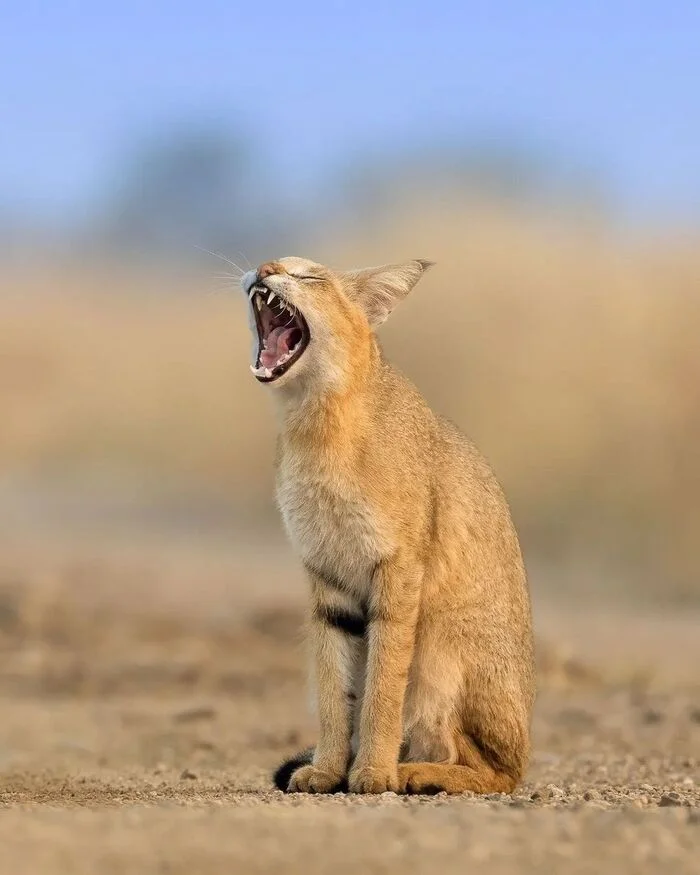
[(270, 268)]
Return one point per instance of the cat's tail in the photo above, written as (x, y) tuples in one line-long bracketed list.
[(284, 773)]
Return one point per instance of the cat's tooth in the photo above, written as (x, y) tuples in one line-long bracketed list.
[(271, 298), (268, 372), (251, 293), (258, 303)]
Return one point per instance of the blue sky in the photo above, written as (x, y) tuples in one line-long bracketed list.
[(312, 84)]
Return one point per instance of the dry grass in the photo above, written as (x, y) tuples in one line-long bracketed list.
[(151, 664), (568, 353)]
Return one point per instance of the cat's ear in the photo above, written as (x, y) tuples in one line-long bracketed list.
[(379, 289)]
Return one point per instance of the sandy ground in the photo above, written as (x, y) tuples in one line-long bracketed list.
[(148, 691)]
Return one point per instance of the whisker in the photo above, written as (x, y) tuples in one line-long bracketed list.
[(222, 283), (238, 252), (222, 257)]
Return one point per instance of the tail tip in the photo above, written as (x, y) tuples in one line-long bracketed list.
[(283, 774)]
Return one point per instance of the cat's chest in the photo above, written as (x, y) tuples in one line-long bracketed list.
[(331, 523)]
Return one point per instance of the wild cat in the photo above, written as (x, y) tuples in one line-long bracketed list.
[(420, 622)]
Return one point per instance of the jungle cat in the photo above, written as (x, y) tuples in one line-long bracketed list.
[(419, 623)]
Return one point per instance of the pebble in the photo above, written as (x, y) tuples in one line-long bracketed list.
[(669, 800), (551, 791)]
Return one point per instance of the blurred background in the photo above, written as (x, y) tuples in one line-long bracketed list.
[(546, 156)]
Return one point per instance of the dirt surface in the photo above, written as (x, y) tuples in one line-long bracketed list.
[(147, 694)]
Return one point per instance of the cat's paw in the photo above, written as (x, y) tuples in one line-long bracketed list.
[(368, 779), (309, 779)]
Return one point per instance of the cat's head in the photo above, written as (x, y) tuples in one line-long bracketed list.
[(312, 325)]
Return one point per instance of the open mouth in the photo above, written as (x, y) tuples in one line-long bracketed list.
[(283, 334)]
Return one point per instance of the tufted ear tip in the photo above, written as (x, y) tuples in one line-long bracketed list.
[(378, 289)]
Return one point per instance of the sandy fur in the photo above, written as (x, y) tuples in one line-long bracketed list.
[(401, 524)]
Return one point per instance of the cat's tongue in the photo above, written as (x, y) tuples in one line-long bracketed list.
[(276, 346)]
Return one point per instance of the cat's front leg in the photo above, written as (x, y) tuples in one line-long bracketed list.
[(390, 636), (337, 627)]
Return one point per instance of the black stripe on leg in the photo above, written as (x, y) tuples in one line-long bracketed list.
[(339, 618)]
